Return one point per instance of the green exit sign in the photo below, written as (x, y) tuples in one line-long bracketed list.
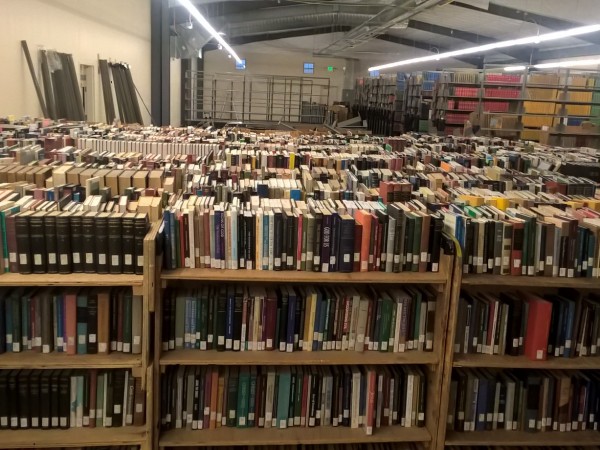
[(329, 68)]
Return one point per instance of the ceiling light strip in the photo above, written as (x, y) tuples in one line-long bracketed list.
[(553, 65), (494, 46), (187, 4)]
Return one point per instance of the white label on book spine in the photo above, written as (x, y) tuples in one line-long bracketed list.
[(23, 258), (76, 258), (541, 266), (45, 422), (346, 257), (584, 265), (128, 259), (570, 273), (549, 260), (140, 260), (530, 270), (325, 267), (37, 341), (81, 339), (92, 338), (12, 257), (434, 267), (221, 340), (498, 261), (14, 421), (539, 354), (115, 260), (363, 266), (423, 256), (45, 348), (23, 423), (102, 347), (568, 343), (89, 258), (126, 347), (516, 263), (562, 272), (37, 259), (277, 262)]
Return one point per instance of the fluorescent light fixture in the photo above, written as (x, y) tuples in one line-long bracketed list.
[(573, 63), (493, 46), (553, 65), (514, 68), (187, 4)]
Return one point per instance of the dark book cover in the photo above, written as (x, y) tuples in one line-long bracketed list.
[(45, 399), (25, 400), (51, 244), (128, 242), (63, 242), (64, 399), (140, 230), (221, 318), (23, 239), (39, 253), (45, 301), (232, 396), (318, 240), (435, 243), (111, 398), (101, 245), (92, 323), (237, 317), (277, 239), (326, 234), (282, 308), (250, 241), (54, 380), (89, 251), (77, 241), (11, 243), (115, 245), (358, 231), (118, 396)]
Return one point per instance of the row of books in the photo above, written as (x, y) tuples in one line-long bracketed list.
[(539, 240), (66, 242), (482, 399), (366, 397), (64, 399), (373, 446), (316, 236), (87, 321), (566, 324), (288, 318)]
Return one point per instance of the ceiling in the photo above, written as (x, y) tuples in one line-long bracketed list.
[(380, 31)]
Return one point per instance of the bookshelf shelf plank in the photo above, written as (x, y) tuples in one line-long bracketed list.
[(226, 436), (71, 279), (519, 438), (276, 358), (548, 282), (73, 437), (56, 360), (522, 362), (270, 276)]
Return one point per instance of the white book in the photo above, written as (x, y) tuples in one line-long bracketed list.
[(361, 328), (410, 381), (354, 412)]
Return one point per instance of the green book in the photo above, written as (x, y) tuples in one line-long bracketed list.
[(3, 215), (100, 399), (243, 397), (283, 396), (386, 315)]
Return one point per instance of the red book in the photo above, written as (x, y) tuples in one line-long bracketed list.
[(371, 392), (538, 327), (71, 322), (386, 191), (357, 246)]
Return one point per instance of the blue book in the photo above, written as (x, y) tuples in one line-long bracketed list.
[(283, 396), (60, 329), (324, 320), (482, 405), (570, 322), (82, 320), (229, 319)]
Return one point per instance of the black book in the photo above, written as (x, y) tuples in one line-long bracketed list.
[(101, 234), (63, 242), (4, 405), (241, 240), (64, 399), (45, 301), (128, 242), (290, 249), (435, 244), (35, 398), (326, 232), (237, 317), (221, 318), (88, 233), (210, 334), (77, 241), (2, 325), (39, 254), (13, 399), (533, 402), (45, 398), (54, 380), (335, 242), (232, 396), (140, 230), (23, 242), (51, 241), (118, 396), (115, 246), (277, 239), (92, 322), (250, 229)]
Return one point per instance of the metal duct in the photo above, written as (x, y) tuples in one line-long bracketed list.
[(296, 22)]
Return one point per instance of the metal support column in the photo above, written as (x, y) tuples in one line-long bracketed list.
[(160, 76)]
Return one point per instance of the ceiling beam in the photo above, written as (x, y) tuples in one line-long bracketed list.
[(570, 52), (525, 16), (474, 38)]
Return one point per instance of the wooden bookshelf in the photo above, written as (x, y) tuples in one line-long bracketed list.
[(522, 362), (523, 282), (226, 436), (276, 358), (73, 437), (290, 276), (71, 279), (522, 438), (33, 360)]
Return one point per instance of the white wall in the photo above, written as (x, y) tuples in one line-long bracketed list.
[(117, 30), (279, 62)]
